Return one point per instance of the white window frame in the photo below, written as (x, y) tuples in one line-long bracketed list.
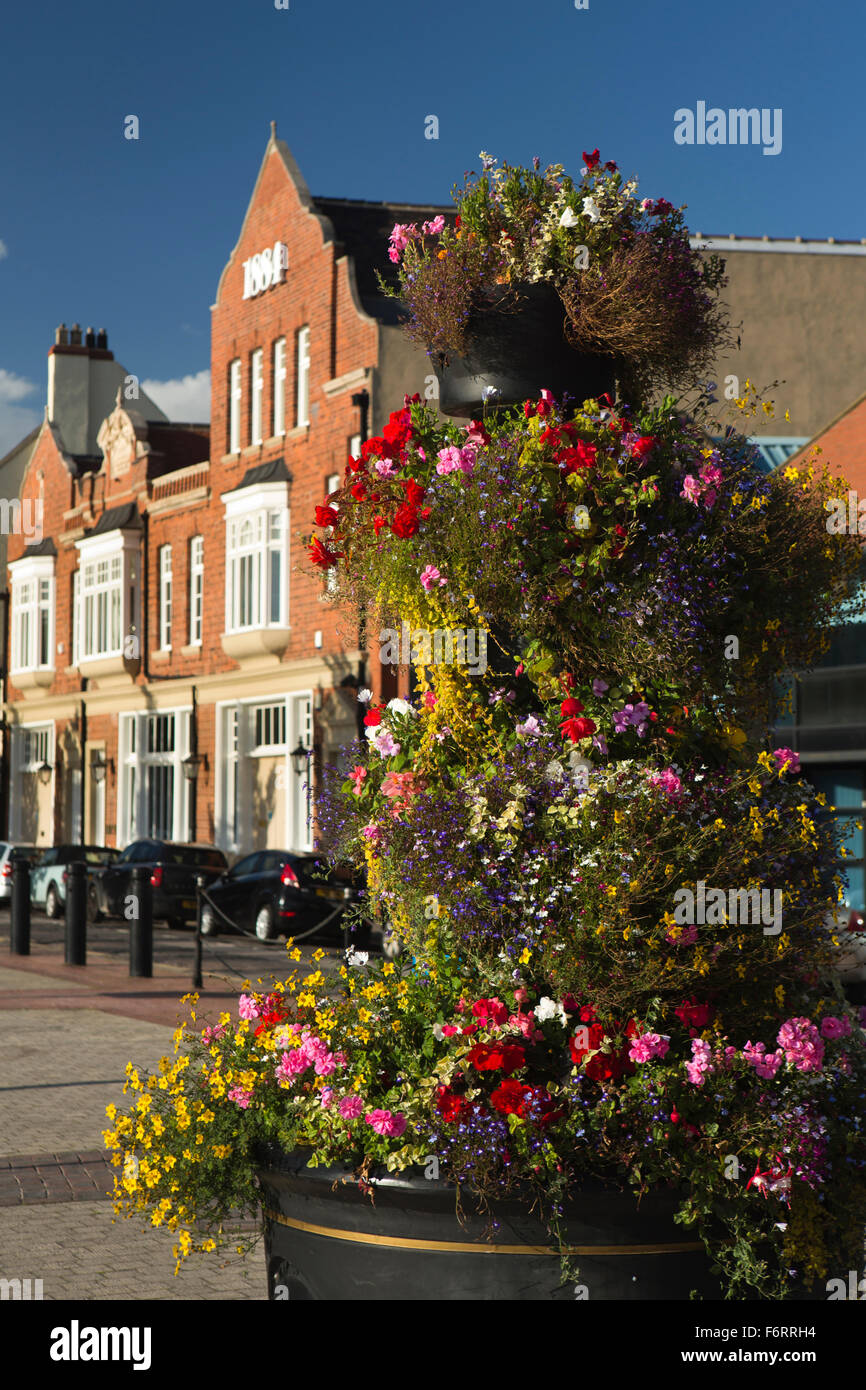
[(165, 598), (302, 358), (31, 604), (37, 741), (257, 543), (125, 548), (133, 763), (235, 392), (196, 590), (235, 749), (257, 394), (279, 387)]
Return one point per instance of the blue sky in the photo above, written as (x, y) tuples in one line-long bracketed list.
[(132, 235)]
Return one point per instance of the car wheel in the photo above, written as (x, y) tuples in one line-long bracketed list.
[(208, 921), (52, 902), (265, 922)]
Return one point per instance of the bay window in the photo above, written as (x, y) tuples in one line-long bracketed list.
[(108, 596), (33, 613)]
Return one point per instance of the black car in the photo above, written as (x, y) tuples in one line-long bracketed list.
[(173, 872), (275, 892)]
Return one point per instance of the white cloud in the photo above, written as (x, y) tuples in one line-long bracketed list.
[(16, 421), (185, 399), (4, 250)]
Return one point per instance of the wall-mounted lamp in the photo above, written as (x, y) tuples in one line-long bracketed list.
[(191, 765)]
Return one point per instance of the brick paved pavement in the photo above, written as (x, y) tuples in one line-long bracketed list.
[(66, 1035)]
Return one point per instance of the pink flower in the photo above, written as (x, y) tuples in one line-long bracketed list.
[(802, 1045), (240, 1096), (467, 459), (711, 474), (350, 1107), (701, 1064), (372, 833), (430, 700), (209, 1035), (385, 468), (786, 760), (648, 1045), (449, 460), (385, 743), (435, 226), (521, 995), (687, 937), (832, 1027), (668, 781), (357, 776), (326, 1096), (766, 1064), (431, 576), (384, 1122), (325, 1064), (247, 1007), (691, 489)]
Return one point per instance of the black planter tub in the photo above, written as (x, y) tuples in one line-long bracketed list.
[(519, 353), (326, 1240)]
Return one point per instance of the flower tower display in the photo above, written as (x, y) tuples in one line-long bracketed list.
[(616, 983)]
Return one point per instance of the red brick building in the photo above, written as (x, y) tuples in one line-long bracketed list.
[(163, 619)]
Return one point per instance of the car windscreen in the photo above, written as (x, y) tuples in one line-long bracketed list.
[(98, 857)]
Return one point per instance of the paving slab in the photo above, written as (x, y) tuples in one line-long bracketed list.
[(81, 1252)]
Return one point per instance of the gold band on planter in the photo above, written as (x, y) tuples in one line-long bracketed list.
[(470, 1248)]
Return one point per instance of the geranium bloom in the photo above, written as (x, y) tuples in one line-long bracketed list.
[(326, 516), (693, 1014), (786, 760), (240, 1096), (248, 1007), (766, 1063), (350, 1107), (505, 1057), (701, 1064), (802, 1045), (430, 576), (492, 1009), (373, 717), (449, 1105), (357, 776), (832, 1027), (434, 226), (385, 1122), (385, 743), (326, 1096), (649, 1045), (385, 468), (668, 781), (509, 1096), (642, 446), (449, 460), (691, 489), (405, 522)]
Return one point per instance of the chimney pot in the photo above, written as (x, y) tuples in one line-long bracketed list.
[(75, 335), (61, 337), (90, 338), (102, 339)]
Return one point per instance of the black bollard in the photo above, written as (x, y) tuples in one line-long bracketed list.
[(19, 932), (76, 913), (197, 982), (141, 925)]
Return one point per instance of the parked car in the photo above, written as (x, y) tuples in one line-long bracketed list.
[(173, 872), (49, 874), (276, 892), (9, 852), (848, 925)]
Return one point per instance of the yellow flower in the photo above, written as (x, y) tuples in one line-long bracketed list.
[(525, 956)]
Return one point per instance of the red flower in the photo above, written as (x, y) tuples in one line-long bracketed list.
[(576, 729), (405, 522), (610, 167), (398, 428), (414, 492), (580, 455), (590, 160), (570, 707), (378, 523), (449, 1105), (359, 491), (372, 718), (603, 1066), (371, 448), (694, 1015), (490, 1008), (326, 516), (509, 1096), (505, 1057), (642, 447), (321, 555)]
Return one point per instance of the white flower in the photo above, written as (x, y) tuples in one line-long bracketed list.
[(365, 696), (590, 210), (400, 706), (489, 392), (529, 729), (547, 1008), (554, 772), (357, 957), (568, 218), (437, 1032)]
